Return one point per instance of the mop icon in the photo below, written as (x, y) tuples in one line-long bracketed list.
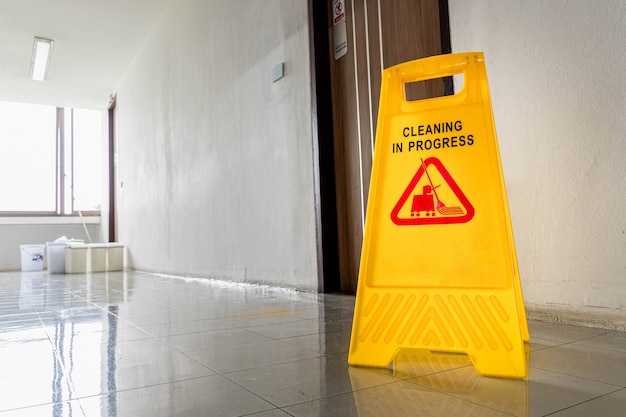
[(425, 202)]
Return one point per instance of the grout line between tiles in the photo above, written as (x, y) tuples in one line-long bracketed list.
[(583, 402)]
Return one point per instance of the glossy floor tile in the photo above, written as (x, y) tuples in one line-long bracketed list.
[(135, 344)]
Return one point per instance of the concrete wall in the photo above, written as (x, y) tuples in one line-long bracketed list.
[(558, 83), (215, 160)]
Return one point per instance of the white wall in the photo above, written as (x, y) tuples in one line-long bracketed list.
[(557, 73), (215, 159)]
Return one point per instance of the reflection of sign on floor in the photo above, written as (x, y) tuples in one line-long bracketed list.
[(423, 200)]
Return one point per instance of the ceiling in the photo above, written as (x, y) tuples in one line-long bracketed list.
[(95, 42)]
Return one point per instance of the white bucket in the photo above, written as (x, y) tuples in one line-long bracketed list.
[(32, 257), (56, 257)]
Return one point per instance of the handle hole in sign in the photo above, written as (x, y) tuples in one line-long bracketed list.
[(432, 88)]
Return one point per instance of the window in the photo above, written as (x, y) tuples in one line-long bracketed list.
[(50, 160), (86, 168)]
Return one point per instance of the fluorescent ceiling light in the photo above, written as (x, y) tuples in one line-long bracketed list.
[(41, 56)]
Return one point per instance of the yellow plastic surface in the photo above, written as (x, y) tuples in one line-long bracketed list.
[(439, 373), (438, 265)]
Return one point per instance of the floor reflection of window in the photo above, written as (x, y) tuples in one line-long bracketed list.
[(112, 361)]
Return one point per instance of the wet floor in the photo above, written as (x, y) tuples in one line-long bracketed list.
[(135, 344)]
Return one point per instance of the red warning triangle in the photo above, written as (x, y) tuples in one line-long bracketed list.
[(426, 207)]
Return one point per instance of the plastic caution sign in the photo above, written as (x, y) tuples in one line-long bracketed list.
[(438, 266)]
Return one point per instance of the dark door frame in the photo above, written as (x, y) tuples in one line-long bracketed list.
[(323, 139), (324, 155), (112, 176)]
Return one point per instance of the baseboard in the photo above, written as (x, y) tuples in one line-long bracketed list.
[(583, 316)]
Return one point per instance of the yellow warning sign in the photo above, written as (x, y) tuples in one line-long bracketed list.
[(438, 266)]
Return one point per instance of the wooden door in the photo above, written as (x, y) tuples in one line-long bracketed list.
[(380, 34)]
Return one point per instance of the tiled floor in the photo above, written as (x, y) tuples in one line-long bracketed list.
[(132, 344)]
